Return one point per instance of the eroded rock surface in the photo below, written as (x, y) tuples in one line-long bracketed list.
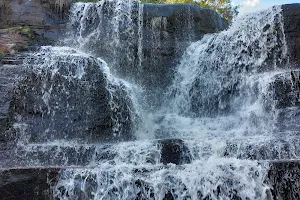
[(68, 95), (291, 14), (27, 184)]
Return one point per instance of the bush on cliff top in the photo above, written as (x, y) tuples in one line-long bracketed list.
[(224, 7)]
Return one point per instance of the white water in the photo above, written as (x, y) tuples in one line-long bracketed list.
[(108, 29), (220, 105)]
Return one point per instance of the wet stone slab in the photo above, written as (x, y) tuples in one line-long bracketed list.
[(27, 184)]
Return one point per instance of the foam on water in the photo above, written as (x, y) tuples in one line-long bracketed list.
[(215, 178), (115, 25)]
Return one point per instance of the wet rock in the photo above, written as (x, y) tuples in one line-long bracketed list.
[(283, 178), (285, 98), (168, 196), (286, 89), (291, 15), (10, 74), (42, 17), (150, 40), (27, 184), (70, 97), (174, 151), (167, 31), (216, 104)]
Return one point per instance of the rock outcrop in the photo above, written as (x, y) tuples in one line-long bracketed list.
[(68, 95), (281, 178), (10, 74), (167, 31), (27, 184), (174, 151), (26, 25), (291, 17)]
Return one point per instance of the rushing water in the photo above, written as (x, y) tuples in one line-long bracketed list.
[(221, 106)]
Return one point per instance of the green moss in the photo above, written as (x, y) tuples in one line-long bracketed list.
[(26, 31), (1, 55), (20, 48)]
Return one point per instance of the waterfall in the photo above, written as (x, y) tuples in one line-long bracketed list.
[(224, 79), (218, 105), (82, 108), (109, 29)]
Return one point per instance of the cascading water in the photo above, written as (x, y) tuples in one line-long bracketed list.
[(101, 28), (213, 138), (227, 76)]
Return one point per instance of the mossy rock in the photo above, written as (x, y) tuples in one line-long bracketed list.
[(24, 31)]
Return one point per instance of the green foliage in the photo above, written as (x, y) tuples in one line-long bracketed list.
[(26, 31), (224, 7), (1, 55), (88, 1), (20, 48)]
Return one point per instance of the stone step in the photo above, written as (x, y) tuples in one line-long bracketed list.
[(283, 179), (158, 152), (13, 59), (27, 184)]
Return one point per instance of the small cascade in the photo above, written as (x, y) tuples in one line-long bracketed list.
[(109, 29), (224, 79), (138, 39), (223, 65), (68, 99)]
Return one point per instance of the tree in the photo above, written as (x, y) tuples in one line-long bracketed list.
[(224, 7)]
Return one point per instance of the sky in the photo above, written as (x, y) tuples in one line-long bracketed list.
[(255, 5)]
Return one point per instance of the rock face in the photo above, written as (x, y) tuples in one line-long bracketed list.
[(286, 89), (26, 25), (167, 31), (69, 96), (43, 16), (27, 184), (291, 16), (10, 75), (144, 43), (281, 178), (174, 151)]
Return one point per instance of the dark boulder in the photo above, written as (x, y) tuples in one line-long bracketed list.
[(291, 15), (286, 89), (284, 96), (27, 184), (283, 178), (68, 95), (174, 151)]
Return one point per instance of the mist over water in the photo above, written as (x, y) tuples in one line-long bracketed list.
[(220, 108)]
